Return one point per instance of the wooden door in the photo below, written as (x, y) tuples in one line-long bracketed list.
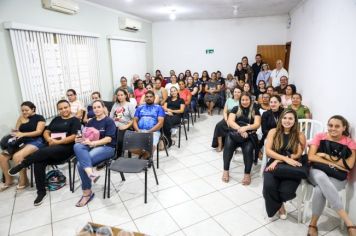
[(271, 53)]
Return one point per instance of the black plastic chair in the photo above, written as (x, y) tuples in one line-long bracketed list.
[(133, 140)]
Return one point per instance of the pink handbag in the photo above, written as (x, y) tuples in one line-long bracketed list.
[(91, 133)]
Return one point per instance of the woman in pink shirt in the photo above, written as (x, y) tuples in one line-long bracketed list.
[(139, 91), (332, 155)]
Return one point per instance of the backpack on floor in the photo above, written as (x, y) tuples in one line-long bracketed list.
[(55, 180)]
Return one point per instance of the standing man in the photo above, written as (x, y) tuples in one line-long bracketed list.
[(256, 68), (277, 73)]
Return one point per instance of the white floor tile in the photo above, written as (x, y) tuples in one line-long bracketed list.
[(24, 221), (215, 203), (191, 160), (337, 232), (171, 165), (6, 209), (239, 194), (23, 203), (215, 180), (257, 210), (65, 209), (187, 213), (204, 170), (237, 222), (128, 226), (157, 224), (71, 226), (112, 215), (164, 182), (130, 190), (42, 230), (287, 227), (209, 227), (197, 188), (261, 232), (5, 225), (178, 233), (182, 176), (171, 196), (99, 201), (137, 208)]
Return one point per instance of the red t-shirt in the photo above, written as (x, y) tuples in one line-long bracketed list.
[(184, 94), (139, 93)]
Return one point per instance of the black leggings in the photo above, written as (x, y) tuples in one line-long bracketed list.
[(247, 152), (120, 142), (50, 155), (169, 122), (276, 191)]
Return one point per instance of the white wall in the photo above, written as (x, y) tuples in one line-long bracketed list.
[(181, 45), (90, 19), (322, 61)]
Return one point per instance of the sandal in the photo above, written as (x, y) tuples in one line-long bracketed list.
[(5, 187), (20, 187), (79, 204), (225, 177), (94, 178), (313, 228), (246, 180), (350, 228)]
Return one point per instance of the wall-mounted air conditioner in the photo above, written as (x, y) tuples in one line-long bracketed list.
[(66, 6), (129, 24)]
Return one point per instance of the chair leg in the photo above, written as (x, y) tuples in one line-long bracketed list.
[(122, 176), (154, 172), (165, 148), (106, 179), (74, 167), (191, 116), (188, 122), (31, 175), (185, 132), (109, 182), (146, 185), (179, 134), (157, 150), (70, 176)]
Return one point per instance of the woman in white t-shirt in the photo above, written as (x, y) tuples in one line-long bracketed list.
[(173, 83), (76, 106)]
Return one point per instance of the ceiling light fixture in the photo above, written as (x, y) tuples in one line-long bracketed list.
[(172, 15), (236, 10)]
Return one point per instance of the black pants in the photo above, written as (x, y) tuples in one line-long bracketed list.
[(276, 191), (247, 152), (120, 141), (221, 130), (50, 155), (169, 122)]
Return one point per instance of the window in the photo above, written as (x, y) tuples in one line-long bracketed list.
[(49, 62)]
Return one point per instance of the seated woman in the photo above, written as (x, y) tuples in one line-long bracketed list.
[(221, 127), (194, 89), (284, 144), (261, 88), (60, 135), (243, 121), (149, 87), (287, 98), (212, 93), (122, 112), (202, 88), (230, 84), (174, 108), (173, 83), (326, 188), (247, 89), (303, 112), (29, 127), (270, 118), (91, 152), (139, 91), (90, 113), (76, 106), (160, 91)]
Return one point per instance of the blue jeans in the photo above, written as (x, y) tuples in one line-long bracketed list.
[(88, 157)]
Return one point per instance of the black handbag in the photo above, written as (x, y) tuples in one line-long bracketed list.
[(236, 136), (11, 144), (337, 151), (286, 171)]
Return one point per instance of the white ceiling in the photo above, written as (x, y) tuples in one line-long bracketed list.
[(159, 10)]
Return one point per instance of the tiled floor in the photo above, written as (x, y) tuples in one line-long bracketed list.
[(191, 199)]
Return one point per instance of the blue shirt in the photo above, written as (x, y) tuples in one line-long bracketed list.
[(106, 127), (148, 115)]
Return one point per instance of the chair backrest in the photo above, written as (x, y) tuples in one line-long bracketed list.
[(135, 140), (108, 105), (310, 128)]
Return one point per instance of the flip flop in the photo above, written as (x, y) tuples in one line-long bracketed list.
[(5, 187), (91, 196), (20, 187), (225, 177)]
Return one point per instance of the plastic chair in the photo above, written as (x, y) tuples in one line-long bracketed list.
[(179, 127), (133, 140), (161, 138)]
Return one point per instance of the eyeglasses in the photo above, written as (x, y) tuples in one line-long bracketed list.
[(70, 95)]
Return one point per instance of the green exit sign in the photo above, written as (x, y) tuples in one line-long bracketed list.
[(209, 51)]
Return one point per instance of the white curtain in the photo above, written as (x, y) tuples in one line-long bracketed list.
[(49, 63)]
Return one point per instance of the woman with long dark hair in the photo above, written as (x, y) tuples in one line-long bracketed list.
[(326, 185), (243, 121), (284, 144)]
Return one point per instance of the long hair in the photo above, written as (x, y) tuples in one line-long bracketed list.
[(294, 140), (30, 105), (344, 123), (127, 99), (251, 112)]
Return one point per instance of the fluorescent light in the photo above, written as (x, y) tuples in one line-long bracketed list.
[(172, 16)]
